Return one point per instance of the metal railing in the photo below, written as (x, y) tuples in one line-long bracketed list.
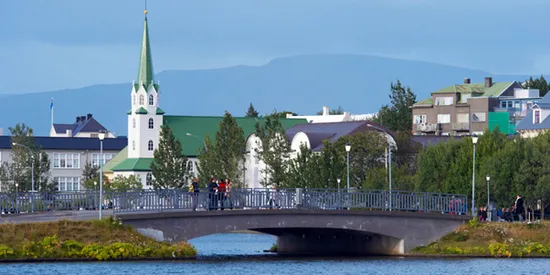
[(296, 198), (245, 199)]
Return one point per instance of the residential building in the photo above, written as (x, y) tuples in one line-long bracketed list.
[(146, 117), (470, 108), (537, 120), (326, 117), (68, 156), (84, 126)]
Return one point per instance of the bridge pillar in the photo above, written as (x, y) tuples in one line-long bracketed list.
[(327, 243)]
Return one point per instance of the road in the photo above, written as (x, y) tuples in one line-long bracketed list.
[(53, 216)]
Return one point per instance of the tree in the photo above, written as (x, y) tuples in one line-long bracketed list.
[(229, 149), (123, 184), (90, 171), (283, 114), (169, 166), (397, 116), (251, 112), (92, 184), (19, 170), (338, 111), (209, 164), (273, 149), (537, 83)]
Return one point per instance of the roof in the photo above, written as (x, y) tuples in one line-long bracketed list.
[(88, 124), (317, 132), (134, 164), (145, 72), (479, 89), (121, 156), (71, 143), (200, 126), (527, 122)]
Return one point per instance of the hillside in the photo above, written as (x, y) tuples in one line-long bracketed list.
[(302, 84)]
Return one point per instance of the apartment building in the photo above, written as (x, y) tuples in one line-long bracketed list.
[(470, 108)]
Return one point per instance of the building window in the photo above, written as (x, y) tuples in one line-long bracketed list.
[(141, 100), (149, 179), (478, 117), (96, 158), (419, 119), (133, 145), (134, 99), (133, 123), (537, 116), (94, 135), (464, 98), (191, 166), (444, 101), (151, 99), (462, 118), (443, 118), (66, 160), (150, 145), (67, 183), (151, 123)]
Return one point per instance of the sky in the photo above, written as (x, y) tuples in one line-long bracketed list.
[(60, 44)]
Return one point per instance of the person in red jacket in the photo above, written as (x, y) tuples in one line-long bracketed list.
[(222, 187)]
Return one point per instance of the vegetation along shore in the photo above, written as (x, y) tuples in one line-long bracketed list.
[(501, 239), (100, 240)]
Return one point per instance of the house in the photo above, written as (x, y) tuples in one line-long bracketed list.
[(146, 117), (470, 108), (68, 156), (326, 117), (84, 126), (537, 120)]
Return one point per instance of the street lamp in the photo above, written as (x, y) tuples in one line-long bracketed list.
[(348, 148), (474, 141), (95, 190), (389, 161), (203, 142), (488, 192), (32, 162), (101, 136), (338, 180)]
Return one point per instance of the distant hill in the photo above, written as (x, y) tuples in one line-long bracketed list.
[(358, 83)]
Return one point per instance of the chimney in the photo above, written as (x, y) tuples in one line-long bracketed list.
[(488, 82), (326, 111), (82, 118), (88, 116), (78, 119), (467, 81)]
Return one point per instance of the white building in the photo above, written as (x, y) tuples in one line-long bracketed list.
[(84, 126), (326, 117)]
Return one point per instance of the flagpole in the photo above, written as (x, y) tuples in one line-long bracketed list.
[(51, 113)]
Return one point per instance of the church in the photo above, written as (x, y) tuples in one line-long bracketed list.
[(146, 117)]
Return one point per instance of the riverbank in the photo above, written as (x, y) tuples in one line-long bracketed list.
[(512, 240), (98, 240)]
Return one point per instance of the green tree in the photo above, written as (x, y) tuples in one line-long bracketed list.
[(90, 171), (251, 112), (122, 184), (209, 165), (282, 114), (92, 184), (337, 111), (537, 83), (229, 150), (273, 149), (397, 116), (169, 166)]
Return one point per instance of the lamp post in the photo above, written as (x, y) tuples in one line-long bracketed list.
[(488, 193), (203, 142), (474, 141), (101, 136), (95, 190), (338, 180), (16, 197), (389, 162), (348, 148), (32, 162)]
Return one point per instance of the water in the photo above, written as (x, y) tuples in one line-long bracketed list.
[(242, 254)]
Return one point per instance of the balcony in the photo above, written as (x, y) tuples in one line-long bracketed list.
[(461, 126), (426, 127)]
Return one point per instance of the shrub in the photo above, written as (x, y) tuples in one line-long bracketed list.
[(457, 236), (473, 223)]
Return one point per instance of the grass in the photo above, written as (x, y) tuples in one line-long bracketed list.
[(496, 239)]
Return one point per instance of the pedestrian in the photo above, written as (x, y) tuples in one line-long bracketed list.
[(221, 192), (194, 192), (212, 188), (228, 194), (519, 208)]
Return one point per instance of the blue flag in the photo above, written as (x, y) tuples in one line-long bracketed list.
[(51, 104)]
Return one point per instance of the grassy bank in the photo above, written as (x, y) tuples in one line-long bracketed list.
[(493, 239), (101, 240)]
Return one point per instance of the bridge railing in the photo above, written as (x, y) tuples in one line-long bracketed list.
[(21, 202), (296, 198)]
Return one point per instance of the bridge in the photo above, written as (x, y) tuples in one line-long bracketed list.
[(305, 221)]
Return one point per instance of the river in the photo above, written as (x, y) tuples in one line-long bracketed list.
[(242, 254)]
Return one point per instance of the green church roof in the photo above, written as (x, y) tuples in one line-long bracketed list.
[(200, 126), (139, 164), (121, 156), (141, 111), (145, 72), (160, 111)]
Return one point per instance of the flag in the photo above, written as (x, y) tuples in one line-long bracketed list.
[(51, 104)]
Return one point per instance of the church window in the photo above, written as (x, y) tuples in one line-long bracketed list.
[(133, 145), (141, 100), (151, 123), (151, 100), (134, 99), (149, 179), (134, 123), (150, 145)]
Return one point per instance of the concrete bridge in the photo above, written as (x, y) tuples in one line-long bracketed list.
[(306, 231)]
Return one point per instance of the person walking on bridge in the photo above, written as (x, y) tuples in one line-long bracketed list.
[(213, 200), (221, 192), (194, 192)]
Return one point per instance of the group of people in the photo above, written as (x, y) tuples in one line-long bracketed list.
[(219, 193), (514, 213)]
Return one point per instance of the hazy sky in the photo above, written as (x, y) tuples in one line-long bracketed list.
[(56, 44)]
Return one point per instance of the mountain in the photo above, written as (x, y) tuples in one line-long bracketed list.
[(302, 84)]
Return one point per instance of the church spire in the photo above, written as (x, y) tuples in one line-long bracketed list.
[(145, 73)]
